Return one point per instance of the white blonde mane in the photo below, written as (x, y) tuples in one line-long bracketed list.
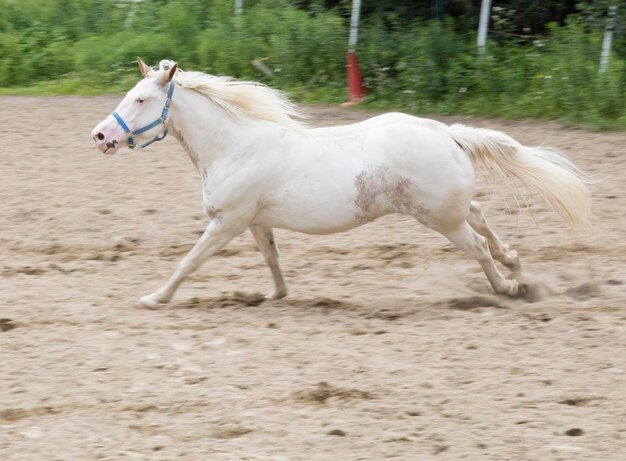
[(240, 99)]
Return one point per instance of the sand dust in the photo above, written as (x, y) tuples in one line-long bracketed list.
[(391, 344)]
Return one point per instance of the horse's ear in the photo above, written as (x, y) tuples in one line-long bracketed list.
[(144, 68), (168, 75)]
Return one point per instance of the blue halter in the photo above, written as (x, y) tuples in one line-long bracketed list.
[(159, 121)]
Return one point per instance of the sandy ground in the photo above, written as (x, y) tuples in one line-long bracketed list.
[(391, 344)]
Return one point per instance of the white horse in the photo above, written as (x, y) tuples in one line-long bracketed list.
[(261, 168)]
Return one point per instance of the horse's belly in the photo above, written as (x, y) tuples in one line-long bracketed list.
[(318, 220)]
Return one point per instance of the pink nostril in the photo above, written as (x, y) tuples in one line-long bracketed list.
[(100, 136)]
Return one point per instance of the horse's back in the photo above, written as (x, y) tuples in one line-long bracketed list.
[(389, 118)]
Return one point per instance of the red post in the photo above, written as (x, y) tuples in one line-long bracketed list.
[(356, 90)]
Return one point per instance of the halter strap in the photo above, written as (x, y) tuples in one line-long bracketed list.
[(159, 121)]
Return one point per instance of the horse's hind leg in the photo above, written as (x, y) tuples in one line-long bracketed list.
[(265, 239), (500, 251), (466, 238)]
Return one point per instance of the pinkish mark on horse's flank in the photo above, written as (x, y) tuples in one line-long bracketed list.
[(379, 192)]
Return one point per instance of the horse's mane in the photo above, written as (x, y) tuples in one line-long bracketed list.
[(240, 98)]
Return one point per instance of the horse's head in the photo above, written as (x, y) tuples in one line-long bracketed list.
[(142, 114)]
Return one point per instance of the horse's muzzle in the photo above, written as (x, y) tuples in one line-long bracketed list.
[(106, 137)]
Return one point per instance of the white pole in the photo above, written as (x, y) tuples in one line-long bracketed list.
[(354, 24), (238, 6), (129, 19), (131, 11), (485, 9), (608, 38)]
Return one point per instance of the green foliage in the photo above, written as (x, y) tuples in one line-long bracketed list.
[(437, 69), (408, 60)]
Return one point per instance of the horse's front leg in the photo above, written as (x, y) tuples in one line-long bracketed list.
[(265, 239), (212, 240)]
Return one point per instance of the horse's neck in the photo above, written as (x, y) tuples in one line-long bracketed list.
[(204, 130)]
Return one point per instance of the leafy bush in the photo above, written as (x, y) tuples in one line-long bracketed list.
[(426, 67)]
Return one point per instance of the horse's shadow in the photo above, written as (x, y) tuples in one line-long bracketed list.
[(386, 309), (242, 300)]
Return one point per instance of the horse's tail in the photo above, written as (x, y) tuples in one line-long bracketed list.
[(545, 171)]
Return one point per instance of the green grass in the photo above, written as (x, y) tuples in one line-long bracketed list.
[(77, 47), (330, 95), (70, 85)]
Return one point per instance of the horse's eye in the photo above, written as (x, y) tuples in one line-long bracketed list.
[(140, 100)]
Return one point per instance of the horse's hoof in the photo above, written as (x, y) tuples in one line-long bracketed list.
[(276, 295), (151, 301), (529, 288), (515, 289)]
